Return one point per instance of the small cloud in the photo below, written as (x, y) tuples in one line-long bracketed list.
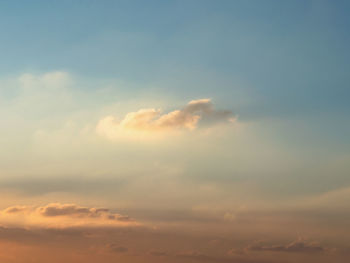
[(15, 209), (146, 121), (193, 254), (44, 82), (295, 247), (201, 257), (230, 216), (56, 209), (117, 249), (157, 253), (237, 252)]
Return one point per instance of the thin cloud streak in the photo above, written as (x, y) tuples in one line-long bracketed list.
[(298, 246)]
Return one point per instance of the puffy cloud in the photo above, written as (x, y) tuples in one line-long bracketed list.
[(296, 246), (56, 215), (151, 120)]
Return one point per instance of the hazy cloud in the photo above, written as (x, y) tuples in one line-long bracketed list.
[(15, 209), (116, 248), (296, 246), (35, 186), (201, 257), (158, 253)]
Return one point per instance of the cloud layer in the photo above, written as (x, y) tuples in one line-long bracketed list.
[(151, 120)]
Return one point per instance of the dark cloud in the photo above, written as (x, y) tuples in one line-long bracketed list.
[(67, 209), (56, 209), (198, 256), (158, 253), (117, 248)]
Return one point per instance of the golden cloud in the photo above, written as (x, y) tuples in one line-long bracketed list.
[(147, 121), (56, 215)]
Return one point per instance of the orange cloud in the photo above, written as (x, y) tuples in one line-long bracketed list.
[(151, 120), (56, 215)]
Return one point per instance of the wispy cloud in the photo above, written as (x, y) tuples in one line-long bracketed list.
[(201, 257), (298, 246), (116, 248)]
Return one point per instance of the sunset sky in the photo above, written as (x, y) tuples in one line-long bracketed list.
[(175, 131)]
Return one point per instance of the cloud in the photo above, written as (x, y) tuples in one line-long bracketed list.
[(157, 253), (39, 94), (151, 120), (194, 255), (198, 256), (15, 209), (55, 80), (296, 247), (56, 209), (116, 248), (39, 185), (56, 215)]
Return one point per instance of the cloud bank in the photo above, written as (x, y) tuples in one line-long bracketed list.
[(153, 121)]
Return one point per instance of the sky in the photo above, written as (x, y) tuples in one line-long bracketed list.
[(174, 131)]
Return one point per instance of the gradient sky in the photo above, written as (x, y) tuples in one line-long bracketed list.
[(175, 131)]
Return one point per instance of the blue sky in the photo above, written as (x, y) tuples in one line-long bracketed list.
[(273, 59), (280, 65), (292, 57)]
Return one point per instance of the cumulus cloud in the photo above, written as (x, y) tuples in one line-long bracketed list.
[(56, 215), (152, 120), (296, 247)]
